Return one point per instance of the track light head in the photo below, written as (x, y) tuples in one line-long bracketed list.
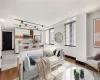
[(42, 26), (19, 25), (34, 26), (21, 21), (25, 25)]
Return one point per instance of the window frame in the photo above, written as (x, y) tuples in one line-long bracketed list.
[(49, 36), (70, 23), (45, 36)]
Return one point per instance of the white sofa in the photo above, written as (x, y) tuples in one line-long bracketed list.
[(28, 71), (94, 63), (31, 70)]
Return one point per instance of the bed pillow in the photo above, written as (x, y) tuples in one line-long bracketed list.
[(97, 57), (32, 60)]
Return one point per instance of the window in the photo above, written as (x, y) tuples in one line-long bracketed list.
[(49, 36), (70, 34)]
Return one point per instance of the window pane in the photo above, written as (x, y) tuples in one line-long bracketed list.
[(74, 34), (71, 34), (51, 36), (68, 34), (47, 37)]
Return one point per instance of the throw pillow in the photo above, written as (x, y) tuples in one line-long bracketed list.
[(54, 52), (97, 57), (32, 60)]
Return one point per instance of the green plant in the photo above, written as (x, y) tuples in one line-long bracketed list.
[(82, 71), (76, 73)]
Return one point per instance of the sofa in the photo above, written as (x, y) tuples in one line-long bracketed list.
[(30, 71), (95, 63)]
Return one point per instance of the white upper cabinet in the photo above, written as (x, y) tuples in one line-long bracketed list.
[(37, 32)]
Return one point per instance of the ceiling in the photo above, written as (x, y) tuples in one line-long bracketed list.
[(44, 12)]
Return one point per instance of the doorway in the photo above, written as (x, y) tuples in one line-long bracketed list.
[(6, 40)]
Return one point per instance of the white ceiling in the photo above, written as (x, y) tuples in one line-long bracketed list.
[(45, 12)]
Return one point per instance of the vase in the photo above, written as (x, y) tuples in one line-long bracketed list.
[(81, 75), (76, 77)]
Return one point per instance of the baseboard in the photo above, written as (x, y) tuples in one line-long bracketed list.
[(7, 50), (70, 57)]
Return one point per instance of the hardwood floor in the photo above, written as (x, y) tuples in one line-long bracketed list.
[(82, 64), (10, 74)]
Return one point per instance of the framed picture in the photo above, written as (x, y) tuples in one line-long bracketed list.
[(37, 38), (97, 33)]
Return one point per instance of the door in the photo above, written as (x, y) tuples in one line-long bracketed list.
[(7, 40)]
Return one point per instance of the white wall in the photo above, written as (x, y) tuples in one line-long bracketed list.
[(0, 40), (68, 50), (47, 37), (81, 39), (91, 50), (42, 37), (80, 50), (0, 44)]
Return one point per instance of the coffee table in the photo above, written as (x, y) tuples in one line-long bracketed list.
[(69, 73)]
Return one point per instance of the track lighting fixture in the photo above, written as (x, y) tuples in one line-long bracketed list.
[(26, 23)]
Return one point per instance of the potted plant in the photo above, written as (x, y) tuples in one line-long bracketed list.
[(81, 73), (76, 75), (74, 71)]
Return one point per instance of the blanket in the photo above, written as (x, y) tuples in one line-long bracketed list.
[(44, 69)]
